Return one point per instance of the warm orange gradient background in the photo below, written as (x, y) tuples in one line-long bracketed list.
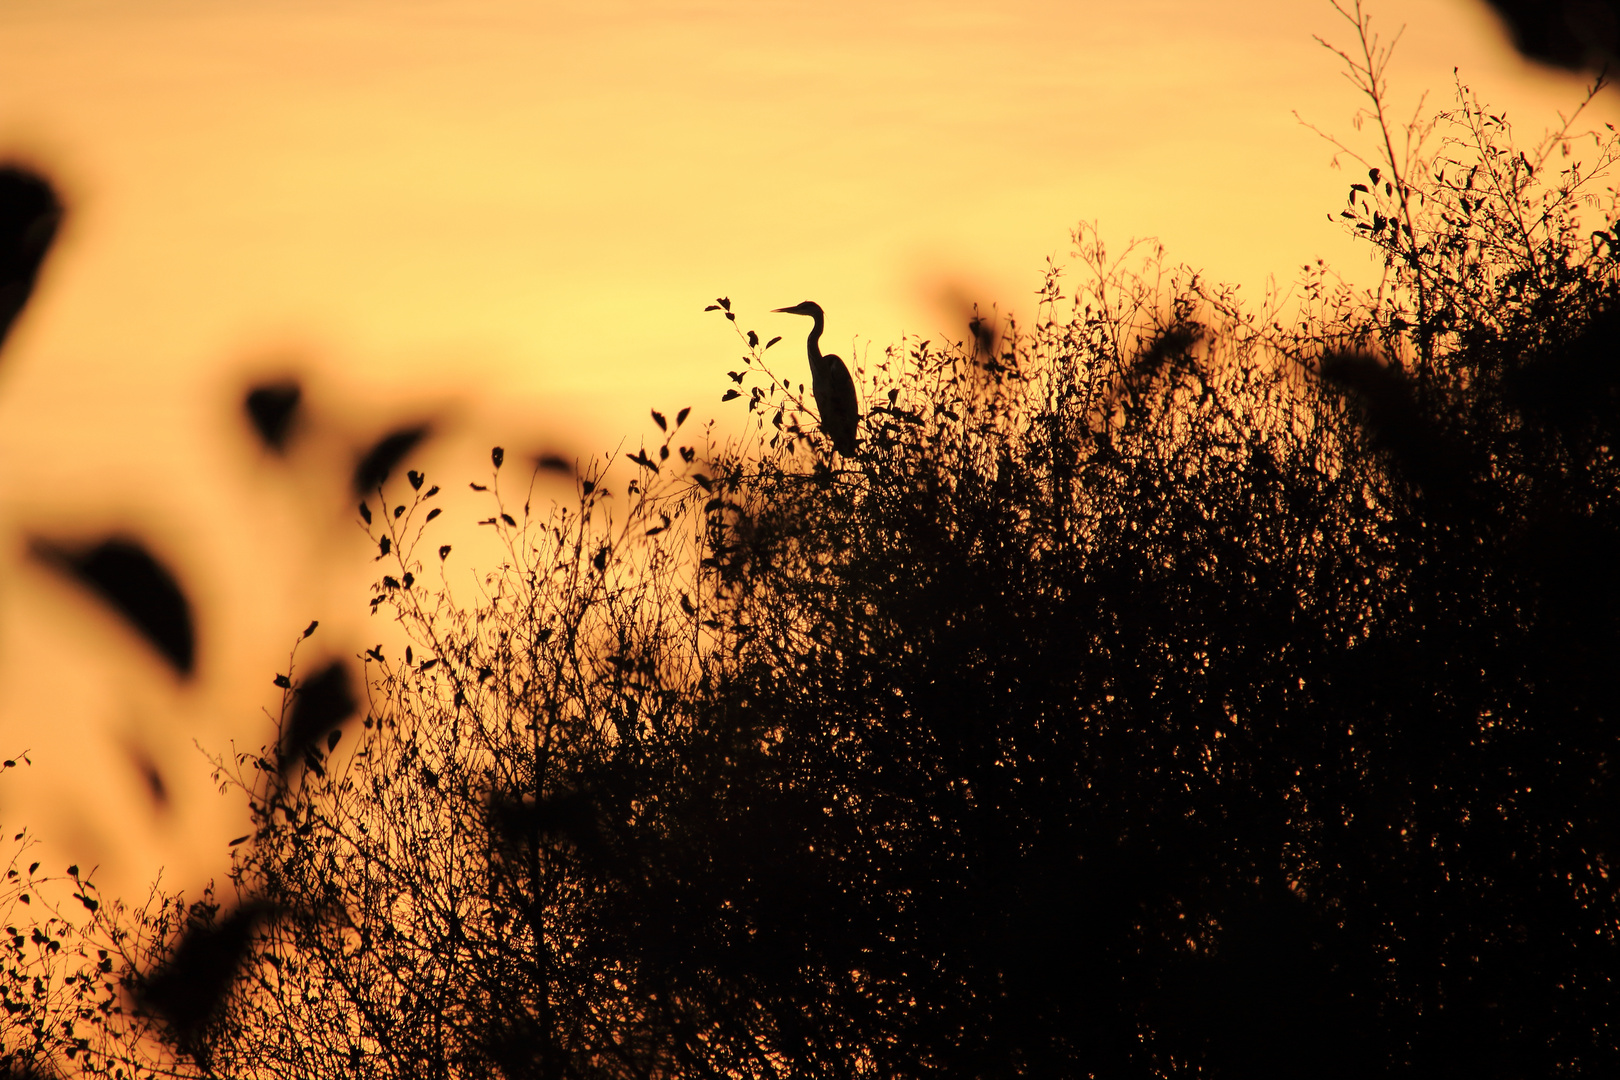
[(508, 216)]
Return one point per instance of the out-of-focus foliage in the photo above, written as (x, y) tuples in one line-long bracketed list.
[(1575, 34)]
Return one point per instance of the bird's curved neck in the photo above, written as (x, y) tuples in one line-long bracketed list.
[(813, 344)]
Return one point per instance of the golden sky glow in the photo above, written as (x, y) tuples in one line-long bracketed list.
[(509, 216)]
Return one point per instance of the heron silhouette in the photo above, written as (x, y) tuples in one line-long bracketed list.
[(834, 390)]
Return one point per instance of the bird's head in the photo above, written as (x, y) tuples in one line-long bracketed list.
[(808, 307)]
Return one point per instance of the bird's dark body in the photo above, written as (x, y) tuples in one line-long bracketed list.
[(834, 392), (830, 383)]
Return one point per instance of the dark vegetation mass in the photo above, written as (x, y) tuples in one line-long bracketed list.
[(1163, 688)]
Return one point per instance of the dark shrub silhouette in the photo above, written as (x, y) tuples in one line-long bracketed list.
[(1161, 689)]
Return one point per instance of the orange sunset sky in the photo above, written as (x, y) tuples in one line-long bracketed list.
[(507, 217)]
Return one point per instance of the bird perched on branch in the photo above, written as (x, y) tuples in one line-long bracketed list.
[(834, 390)]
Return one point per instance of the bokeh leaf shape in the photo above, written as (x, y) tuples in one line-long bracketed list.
[(129, 579), (188, 989), (1576, 36), (571, 816), (272, 409), (146, 767), (385, 455), (1393, 416), (29, 215), (320, 704), (554, 463)]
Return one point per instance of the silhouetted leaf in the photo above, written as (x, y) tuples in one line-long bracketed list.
[(553, 463), (130, 580), (272, 410), (187, 991), (29, 216), (387, 453), (1569, 35), (320, 703), (149, 773)]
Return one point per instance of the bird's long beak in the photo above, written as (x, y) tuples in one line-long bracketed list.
[(781, 311)]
